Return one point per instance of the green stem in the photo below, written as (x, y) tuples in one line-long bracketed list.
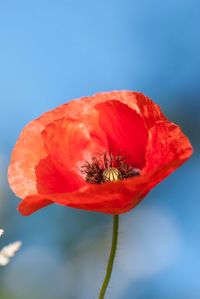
[(111, 257)]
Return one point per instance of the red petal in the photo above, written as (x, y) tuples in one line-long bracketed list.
[(148, 110), (125, 130), (69, 145), (75, 147), (33, 204), (61, 137), (29, 149), (51, 180), (112, 198), (26, 155), (166, 144)]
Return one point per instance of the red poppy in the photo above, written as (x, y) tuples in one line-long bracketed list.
[(102, 153)]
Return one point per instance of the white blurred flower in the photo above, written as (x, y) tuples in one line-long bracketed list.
[(7, 252)]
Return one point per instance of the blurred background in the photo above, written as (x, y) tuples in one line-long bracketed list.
[(54, 51)]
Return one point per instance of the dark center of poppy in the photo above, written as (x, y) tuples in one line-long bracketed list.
[(108, 168)]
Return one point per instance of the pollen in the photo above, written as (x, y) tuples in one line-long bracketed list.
[(108, 168)]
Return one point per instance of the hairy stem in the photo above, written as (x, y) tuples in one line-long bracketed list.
[(111, 257)]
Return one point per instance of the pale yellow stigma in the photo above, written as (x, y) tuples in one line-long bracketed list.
[(111, 174)]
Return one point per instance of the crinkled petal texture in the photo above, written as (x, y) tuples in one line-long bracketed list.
[(46, 161)]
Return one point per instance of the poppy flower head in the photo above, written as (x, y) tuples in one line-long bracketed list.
[(102, 153)]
